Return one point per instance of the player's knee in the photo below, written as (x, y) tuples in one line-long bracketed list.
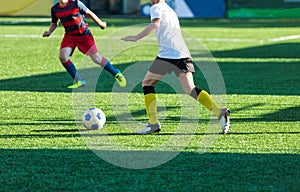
[(188, 91), (145, 83), (148, 82), (96, 58), (63, 58)]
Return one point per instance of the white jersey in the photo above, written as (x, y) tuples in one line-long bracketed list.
[(170, 40)]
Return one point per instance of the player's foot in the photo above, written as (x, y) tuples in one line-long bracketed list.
[(79, 83), (225, 120), (150, 128), (120, 79)]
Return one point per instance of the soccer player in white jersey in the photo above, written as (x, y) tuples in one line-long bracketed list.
[(173, 56)]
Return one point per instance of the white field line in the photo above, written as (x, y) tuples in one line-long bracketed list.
[(285, 38), (33, 36), (235, 40), (201, 39), (8, 21)]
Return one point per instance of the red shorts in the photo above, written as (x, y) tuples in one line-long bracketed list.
[(85, 43)]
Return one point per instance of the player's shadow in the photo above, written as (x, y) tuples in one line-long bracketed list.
[(289, 114)]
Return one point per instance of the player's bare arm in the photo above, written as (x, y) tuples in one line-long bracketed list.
[(153, 26), (96, 19), (52, 27)]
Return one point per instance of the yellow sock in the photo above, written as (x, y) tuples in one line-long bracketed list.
[(151, 107), (205, 99)]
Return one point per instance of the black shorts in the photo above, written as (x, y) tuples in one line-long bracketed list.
[(163, 66)]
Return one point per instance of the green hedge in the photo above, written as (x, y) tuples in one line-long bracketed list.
[(264, 13), (260, 4)]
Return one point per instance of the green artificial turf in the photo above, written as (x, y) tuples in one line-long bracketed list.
[(44, 148)]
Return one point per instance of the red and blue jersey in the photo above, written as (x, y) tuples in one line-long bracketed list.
[(71, 16)]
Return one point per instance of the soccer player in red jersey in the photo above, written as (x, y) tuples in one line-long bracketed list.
[(71, 14)]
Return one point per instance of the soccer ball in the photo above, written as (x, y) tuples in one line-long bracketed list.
[(93, 118)]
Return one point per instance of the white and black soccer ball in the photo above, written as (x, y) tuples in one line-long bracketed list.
[(93, 119)]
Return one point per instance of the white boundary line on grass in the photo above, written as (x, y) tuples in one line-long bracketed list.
[(237, 40), (208, 39), (27, 36), (285, 38)]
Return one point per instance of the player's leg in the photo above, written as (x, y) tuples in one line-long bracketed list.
[(188, 85), (98, 59), (102, 61), (157, 70), (187, 82), (64, 57), (148, 85), (86, 44)]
